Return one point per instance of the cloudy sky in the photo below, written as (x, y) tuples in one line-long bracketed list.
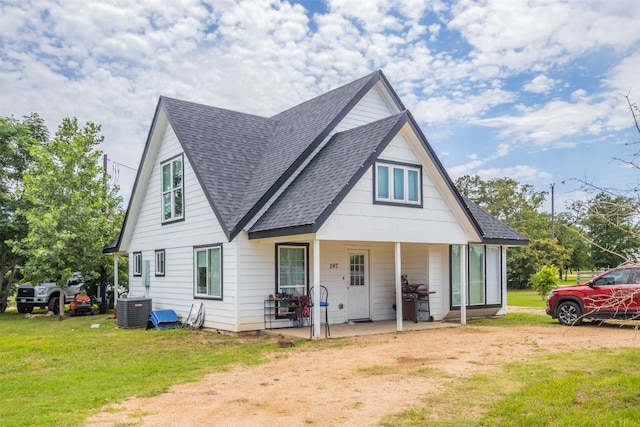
[(528, 89)]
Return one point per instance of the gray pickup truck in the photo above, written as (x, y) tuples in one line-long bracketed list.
[(47, 295)]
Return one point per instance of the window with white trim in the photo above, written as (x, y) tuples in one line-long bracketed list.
[(137, 263), (208, 272), (172, 190), (292, 269), (398, 184), (160, 262)]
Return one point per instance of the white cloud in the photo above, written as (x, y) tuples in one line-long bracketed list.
[(108, 61), (521, 173), (536, 35), (540, 84), (555, 120)]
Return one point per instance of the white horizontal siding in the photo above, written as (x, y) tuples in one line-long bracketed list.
[(372, 107), (358, 218), (200, 227)]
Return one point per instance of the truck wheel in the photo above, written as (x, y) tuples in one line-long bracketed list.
[(54, 305), (24, 308)]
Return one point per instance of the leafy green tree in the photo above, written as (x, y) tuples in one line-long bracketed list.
[(74, 213), (524, 262), (545, 279), (570, 236), (16, 140), (517, 205), (609, 223)]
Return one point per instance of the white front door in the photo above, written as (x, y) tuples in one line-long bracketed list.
[(358, 285)]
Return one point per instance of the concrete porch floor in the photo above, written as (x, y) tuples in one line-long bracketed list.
[(342, 330)]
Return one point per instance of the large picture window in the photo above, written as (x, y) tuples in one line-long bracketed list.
[(292, 269), (398, 184), (172, 190), (484, 275), (208, 272)]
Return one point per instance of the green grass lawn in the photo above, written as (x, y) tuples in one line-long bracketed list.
[(59, 372), (525, 298), (56, 372), (591, 389)]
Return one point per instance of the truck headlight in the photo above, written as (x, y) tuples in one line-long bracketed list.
[(41, 291), (552, 293)]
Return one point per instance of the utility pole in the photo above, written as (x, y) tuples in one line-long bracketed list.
[(103, 272), (553, 223)]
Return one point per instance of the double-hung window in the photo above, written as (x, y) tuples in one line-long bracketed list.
[(208, 272), (160, 262), (137, 263), (292, 269), (398, 184), (172, 190)]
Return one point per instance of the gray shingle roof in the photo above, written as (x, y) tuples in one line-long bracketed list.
[(225, 148), (493, 230), (242, 161), (328, 177)]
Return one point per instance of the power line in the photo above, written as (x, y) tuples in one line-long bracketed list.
[(123, 165)]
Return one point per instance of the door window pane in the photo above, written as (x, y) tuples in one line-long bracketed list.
[(356, 269), (292, 269)]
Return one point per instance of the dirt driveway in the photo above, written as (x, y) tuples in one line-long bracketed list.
[(355, 383)]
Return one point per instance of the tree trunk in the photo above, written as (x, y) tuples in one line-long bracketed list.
[(5, 287), (62, 298)]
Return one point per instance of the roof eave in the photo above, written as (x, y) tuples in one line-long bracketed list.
[(505, 242), (281, 232)]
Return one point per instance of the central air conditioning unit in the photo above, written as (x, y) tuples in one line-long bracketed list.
[(133, 312)]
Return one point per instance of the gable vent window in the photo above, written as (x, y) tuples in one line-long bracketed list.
[(172, 190), (398, 184)]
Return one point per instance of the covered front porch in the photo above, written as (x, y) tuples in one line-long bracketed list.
[(345, 330), (365, 283)]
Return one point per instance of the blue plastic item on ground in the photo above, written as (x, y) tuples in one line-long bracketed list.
[(164, 319)]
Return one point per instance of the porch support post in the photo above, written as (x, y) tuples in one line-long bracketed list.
[(463, 284), (398, 285), (115, 281), (316, 289)]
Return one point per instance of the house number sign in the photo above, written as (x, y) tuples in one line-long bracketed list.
[(333, 266)]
